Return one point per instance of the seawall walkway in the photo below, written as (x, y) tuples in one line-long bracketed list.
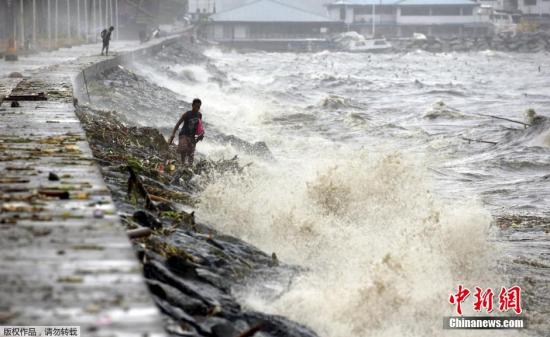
[(64, 257)]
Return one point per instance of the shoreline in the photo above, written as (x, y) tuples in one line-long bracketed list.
[(189, 267), (503, 222), (538, 42)]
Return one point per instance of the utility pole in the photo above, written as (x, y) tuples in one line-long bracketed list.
[(69, 20), (56, 21), (373, 18), (100, 15), (22, 22), (111, 13), (87, 28), (94, 19), (78, 30), (11, 52), (34, 23), (11, 24), (49, 22), (106, 13), (116, 18)]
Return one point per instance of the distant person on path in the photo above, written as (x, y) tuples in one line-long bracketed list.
[(191, 133), (28, 42), (106, 37)]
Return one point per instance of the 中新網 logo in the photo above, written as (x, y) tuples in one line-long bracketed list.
[(508, 299)]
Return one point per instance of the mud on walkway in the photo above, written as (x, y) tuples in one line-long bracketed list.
[(65, 258)]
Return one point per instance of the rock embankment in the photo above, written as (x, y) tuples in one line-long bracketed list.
[(190, 268)]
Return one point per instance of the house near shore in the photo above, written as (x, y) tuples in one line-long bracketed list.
[(269, 22), (525, 7), (403, 18), (531, 15)]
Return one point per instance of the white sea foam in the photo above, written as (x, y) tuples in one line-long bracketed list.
[(383, 252)]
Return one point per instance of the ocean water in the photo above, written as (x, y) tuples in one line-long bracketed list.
[(386, 178)]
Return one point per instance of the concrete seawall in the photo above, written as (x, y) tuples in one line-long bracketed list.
[(521, 42), (93, 69), (65, 259)]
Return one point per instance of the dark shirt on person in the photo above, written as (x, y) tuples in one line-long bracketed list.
[(106, 36), (190, 123)]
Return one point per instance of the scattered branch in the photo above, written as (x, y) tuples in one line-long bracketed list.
[(136, 186)]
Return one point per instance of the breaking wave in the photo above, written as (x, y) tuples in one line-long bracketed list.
[(382, 251)]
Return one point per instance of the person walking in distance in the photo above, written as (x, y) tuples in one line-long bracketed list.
[(190, 134), (106, 38)]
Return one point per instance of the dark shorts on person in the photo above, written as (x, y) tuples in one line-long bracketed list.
[(186, 148)]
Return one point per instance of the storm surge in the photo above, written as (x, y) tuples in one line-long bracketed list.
[(350, 194), (382, 252)]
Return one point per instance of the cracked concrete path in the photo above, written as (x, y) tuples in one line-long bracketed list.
[(64, 257)]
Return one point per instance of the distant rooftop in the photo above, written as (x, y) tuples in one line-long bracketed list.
[(268, 11), (402, 2), (364, 2), (437, 2)]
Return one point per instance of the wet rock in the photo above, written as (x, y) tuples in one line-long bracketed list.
[(53, 177), (179, 315), (166, 207), (189, 267), (278, 326), (15, 74), (208, 294), (259, 149), (211, 322), (176, 298), (182, 267), (214, 279), (274, 260), (134, 96), (147, 219), (224, 330)]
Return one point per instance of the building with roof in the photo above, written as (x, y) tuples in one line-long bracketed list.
[(534, 7), (402, 18), (531, 15), (269, 21), (526, 7)]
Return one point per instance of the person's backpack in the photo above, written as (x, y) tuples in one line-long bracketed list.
[(199, 131), (191, 126), (103, 34)]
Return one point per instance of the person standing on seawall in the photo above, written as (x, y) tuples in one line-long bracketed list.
[(190, 134), (106, 38)]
